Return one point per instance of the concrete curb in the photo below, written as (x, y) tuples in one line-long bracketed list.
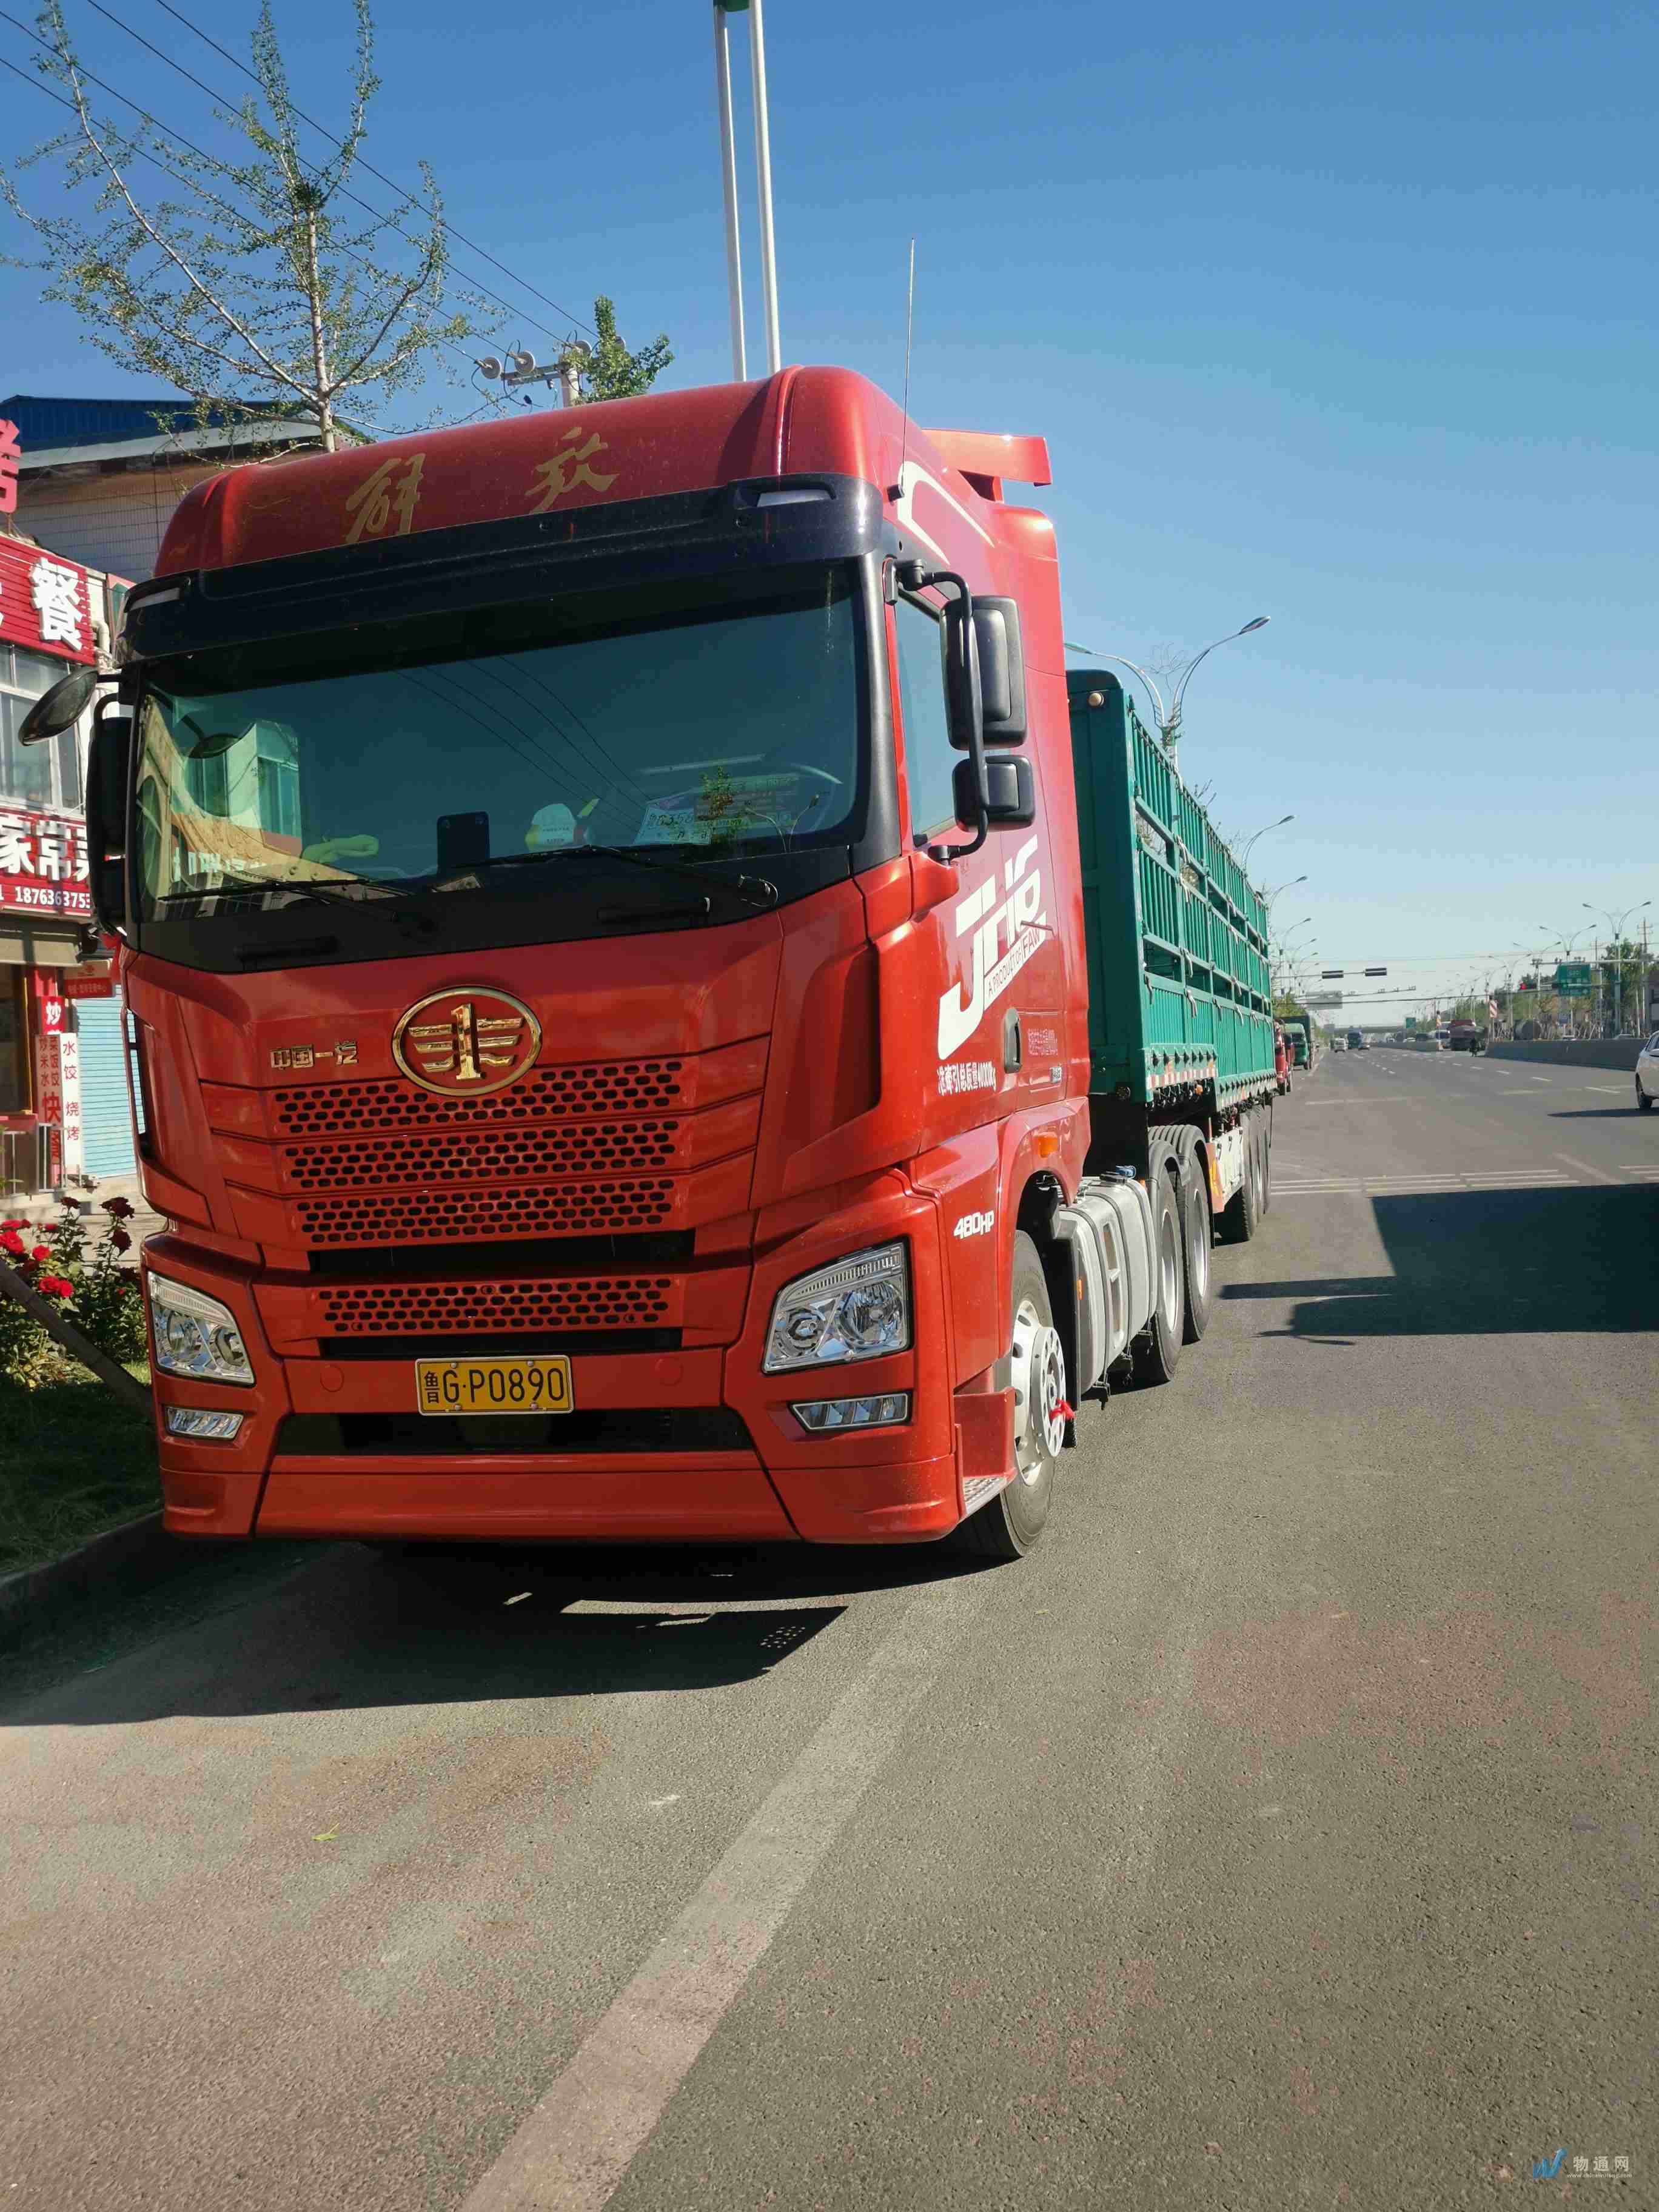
[(134, 1557), (1605, 1051)]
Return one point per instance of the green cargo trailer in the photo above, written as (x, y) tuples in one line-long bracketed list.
[(1302, 1037), (1179, 997)]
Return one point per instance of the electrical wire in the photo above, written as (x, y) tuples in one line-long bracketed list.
[(177, 136), (392, 185), (379, 214)]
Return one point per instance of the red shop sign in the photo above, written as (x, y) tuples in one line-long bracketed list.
[(44, 601), (43, 865), (88, 987)]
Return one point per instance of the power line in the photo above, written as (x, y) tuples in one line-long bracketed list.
[(178, 136), (393, 186), (379, 215)]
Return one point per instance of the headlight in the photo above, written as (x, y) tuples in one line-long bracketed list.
[(195, 1335), (860, 1309)]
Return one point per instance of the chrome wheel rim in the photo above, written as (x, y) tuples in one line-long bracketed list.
[(1198, 1238), (1039, 1379), (1169, 1270)]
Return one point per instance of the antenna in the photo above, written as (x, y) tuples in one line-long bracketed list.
[(909, 326)]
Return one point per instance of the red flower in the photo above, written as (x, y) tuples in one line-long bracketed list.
[(12, 1242), (41, 1252), (122, 1208), (120, 1240), (54, 1286), (13, 1224)]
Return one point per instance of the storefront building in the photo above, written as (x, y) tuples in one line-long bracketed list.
[(64, 1117)]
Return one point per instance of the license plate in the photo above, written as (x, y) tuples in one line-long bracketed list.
[(493, 1386)]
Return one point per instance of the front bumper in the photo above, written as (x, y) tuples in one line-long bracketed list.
[(368, 1467)]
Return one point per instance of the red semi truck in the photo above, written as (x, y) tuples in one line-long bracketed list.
[(602, 932)]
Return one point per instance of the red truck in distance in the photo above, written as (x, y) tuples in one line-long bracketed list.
[(604, 931)]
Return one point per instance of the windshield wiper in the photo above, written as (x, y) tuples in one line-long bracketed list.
[(300, 892), (753, 891)]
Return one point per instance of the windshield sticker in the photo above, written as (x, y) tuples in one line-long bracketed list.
[(374, 500), (566, 469)]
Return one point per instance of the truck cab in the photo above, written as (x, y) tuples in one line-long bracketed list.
[(601, 927)]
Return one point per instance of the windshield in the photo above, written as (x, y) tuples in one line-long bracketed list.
[(423, 757)]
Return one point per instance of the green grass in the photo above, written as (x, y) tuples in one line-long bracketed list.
[(73, 1462)]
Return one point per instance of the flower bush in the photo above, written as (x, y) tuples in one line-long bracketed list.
[(100, 1294)]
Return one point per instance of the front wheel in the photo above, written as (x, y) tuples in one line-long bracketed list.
[(1645, 1104), (1010, 1526)]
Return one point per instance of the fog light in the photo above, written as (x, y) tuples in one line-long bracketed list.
[(197, 1421), (820, 1414)]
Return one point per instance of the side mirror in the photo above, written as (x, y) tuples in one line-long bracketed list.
[(1011, 792), (1001, 671), (60, 708), (964, 703), (108, 761)]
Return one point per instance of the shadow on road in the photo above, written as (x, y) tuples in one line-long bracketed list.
[(1631, 1113), (346, 1627), (1487, 1263)]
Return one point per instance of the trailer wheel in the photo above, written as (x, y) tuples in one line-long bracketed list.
[(1009, 1526), (1265, 1144), (1242, 1216), (1198, 1235), (1159, 1348)]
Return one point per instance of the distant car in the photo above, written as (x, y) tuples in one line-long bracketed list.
[(1647, 1073)]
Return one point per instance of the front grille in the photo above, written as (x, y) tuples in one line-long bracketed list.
[(669, 1429), (667, 1249), (598, 1302), (613, 1345), (485, 1155), (445, 1217), (633, 1086)]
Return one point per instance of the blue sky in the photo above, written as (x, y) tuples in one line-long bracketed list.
[(1346, 323)]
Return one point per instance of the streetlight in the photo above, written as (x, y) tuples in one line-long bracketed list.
[(1617, 930), (1169, 724), (1244, 856), (1269, 897)]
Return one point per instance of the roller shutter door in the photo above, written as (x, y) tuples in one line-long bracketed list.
[(105, 1117)]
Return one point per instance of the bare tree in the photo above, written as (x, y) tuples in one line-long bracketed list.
[(256, 290)]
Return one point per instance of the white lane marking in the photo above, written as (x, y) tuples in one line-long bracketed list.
[(1593, 1175), (578, 2141), (1382, 1098), (1607, 1090), (1540, 1078)]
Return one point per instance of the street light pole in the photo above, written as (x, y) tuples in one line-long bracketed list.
[(1168, 725), (763, 181), (1245, 855), (1617, 947)]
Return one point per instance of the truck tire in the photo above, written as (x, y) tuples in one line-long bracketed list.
[(1159, 1349), (1010, 1526), (1242, 1216), (1265, 1138), (1197, 1237)]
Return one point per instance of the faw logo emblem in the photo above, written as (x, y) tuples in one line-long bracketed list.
[(466, 1041), (1016, 924)]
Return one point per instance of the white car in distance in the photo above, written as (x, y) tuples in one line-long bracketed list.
[(1647, 1074)]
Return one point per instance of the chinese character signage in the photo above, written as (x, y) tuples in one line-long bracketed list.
[(45, 603), (43, 865), (10, 454)]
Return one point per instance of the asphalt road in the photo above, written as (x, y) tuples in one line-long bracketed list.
[(1281, 1833)]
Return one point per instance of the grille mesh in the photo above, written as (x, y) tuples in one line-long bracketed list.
[(572, 1209), (584, 1149), (595, 1302), (327, 1110)]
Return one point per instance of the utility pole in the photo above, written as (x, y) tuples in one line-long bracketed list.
[(762, 182)]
